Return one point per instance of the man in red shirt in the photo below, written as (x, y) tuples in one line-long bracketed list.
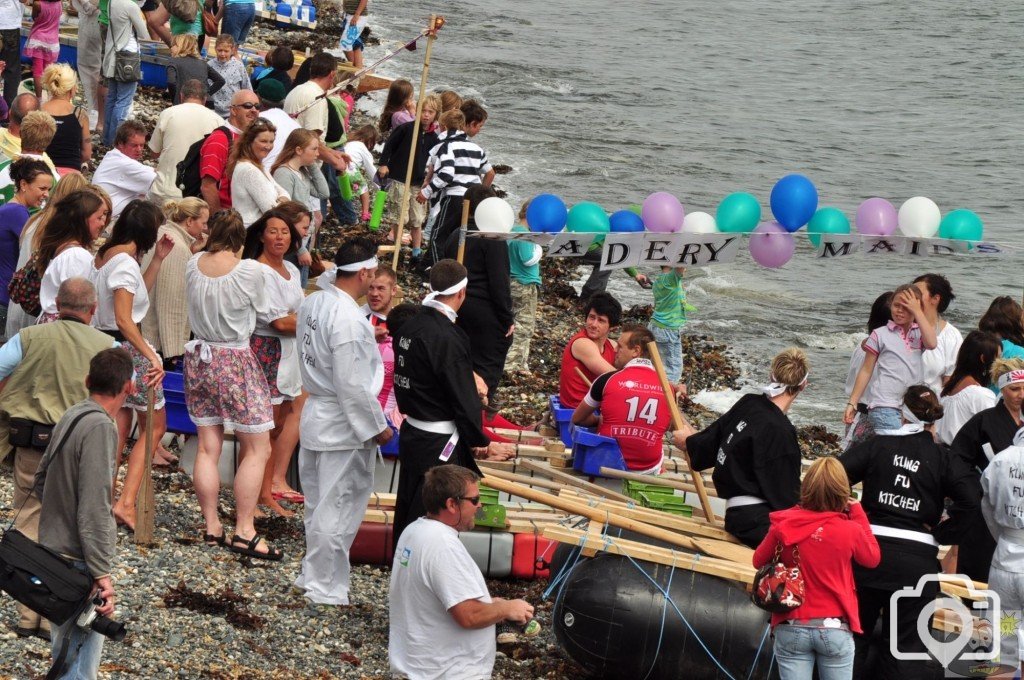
[(213, 160), (634, 410), (590, 350)]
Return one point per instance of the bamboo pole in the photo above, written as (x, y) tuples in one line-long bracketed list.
[(463, 227), (677, 423), (583, 376), (432, 28), (144, 511), (572, 480)]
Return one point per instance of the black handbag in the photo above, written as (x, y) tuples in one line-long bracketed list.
[(127, 66), (40, 578)]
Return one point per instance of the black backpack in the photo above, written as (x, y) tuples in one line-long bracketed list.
[(187, 178)]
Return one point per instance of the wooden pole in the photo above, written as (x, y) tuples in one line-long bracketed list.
[(463, 227), (144, 510), (583, 376), (677, 423), (435, 25)]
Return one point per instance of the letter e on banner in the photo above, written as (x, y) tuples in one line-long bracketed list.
[(836, 245), (569, 244), (621, 251)]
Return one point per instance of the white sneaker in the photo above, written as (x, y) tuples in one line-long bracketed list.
[(94, 119)]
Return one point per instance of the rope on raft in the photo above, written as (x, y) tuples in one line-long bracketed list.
[(570, 564)]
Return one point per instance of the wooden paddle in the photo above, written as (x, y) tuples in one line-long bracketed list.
[(463, 228), (144, 510), (583, 376)]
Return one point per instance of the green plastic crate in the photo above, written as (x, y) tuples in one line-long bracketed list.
[(488, 496), (675, 505), (634, 489)]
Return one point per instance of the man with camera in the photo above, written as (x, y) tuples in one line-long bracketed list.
[(75, 480), (43, 368)]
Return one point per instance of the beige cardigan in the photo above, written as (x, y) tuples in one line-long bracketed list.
[(166, 324)]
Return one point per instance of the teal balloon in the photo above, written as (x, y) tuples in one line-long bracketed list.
[(738, 213), (827, 221), (961, 225), (587, 217)]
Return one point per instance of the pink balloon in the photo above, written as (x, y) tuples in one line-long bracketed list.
[(771, 245), (662, 213), (877, 217)]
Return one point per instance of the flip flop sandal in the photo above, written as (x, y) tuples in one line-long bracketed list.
[(272, 554), (214, 541), (290, 496)]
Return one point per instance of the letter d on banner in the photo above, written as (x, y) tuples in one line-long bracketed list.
[(621, 250)]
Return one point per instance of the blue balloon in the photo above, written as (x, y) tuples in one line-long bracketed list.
[(794, 201), (625, 221), (547, 213)]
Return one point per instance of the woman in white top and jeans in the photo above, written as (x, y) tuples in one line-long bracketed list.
[(64, 249), (966, 392), (253, 190), (224, 385), (122, 291)]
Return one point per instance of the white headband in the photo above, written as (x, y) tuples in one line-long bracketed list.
[(775, 388), (357, 266), (1018, 439), (450, 290), (1010, 378), (909, 416)]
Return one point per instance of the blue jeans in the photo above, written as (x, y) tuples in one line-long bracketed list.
[(345, 210), (238, 18), (671, 350), (81, 663), (119, 100), (885, 418), (797, 648)]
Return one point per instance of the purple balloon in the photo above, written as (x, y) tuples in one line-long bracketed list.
[(877, 217), (771, 245), (662, 213)]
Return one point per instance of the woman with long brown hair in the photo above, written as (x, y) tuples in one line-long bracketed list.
[(253, 190)]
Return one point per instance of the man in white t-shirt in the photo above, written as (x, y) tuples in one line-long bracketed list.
[(442, 617), (177, 129), (120, 173)]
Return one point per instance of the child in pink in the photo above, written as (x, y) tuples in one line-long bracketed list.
[(43, 44)]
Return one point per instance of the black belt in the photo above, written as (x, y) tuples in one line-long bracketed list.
[(115, 334)]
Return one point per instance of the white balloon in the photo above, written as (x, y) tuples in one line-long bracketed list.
[(919, 217), (494, 215), (699, 223)]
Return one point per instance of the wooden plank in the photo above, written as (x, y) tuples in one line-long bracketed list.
[(573, 480), (649, 553), (538, 482)]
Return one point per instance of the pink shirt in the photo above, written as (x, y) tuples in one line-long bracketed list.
[(401, 116)]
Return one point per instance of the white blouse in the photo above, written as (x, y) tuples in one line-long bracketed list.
[(283, 298), (253, 191), (223, 309), (961, 407), (76, 261), (121, 272)]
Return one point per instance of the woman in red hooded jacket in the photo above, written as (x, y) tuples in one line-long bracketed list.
[(828, 530)]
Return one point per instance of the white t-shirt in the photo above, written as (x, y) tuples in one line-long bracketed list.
[(432, 573), (283, 298), (285, 125), (10, 15), (362, 159), (75, 261), (253, 191), (939, 362), (124, 178), (856, 361), (122, 272), (224, 308), (960, 408), (315, 117), (898, 364), (178, 128)]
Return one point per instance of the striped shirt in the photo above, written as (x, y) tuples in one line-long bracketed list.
[(458, 166), (669, 301)]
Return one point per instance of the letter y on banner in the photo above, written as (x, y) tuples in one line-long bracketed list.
[(569, 244), (621, 251)]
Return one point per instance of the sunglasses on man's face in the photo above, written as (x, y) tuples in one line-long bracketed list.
[(248, 106), (475, 500)]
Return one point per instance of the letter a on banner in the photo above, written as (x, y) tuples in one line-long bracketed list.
[(569, 244), (621, 251)]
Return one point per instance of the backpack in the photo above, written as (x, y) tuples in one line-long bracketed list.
[(337, 131), (24, 286), (187, 177), (186, 10)]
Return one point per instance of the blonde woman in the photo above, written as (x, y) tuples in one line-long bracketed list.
[(185, 64), (71, 148), (825, 534), (166, 324), (754, 451), (253, 190)]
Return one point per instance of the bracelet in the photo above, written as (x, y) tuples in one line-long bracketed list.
[(850, 403)]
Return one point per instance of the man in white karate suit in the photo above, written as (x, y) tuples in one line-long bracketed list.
[(342, 422)]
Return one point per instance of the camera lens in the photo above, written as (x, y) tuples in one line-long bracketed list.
[(110, 628)]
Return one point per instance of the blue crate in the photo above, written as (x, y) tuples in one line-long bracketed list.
[(591, 452), (178, 420), (563, 420)]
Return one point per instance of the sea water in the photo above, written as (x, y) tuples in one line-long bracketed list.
[(610, 101)]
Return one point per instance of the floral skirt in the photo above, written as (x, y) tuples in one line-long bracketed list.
[(47, 317), (229, 389), (267, 350), (137, 400)]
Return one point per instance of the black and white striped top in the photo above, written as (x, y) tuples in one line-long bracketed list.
[(459, 164)]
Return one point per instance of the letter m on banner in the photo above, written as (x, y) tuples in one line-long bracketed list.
[(837, 245)]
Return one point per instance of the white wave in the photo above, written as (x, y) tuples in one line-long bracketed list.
[(718, 401), (833, 340), (553, 88)]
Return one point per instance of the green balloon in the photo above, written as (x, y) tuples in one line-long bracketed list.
[(636, 208), (738, 213), (587, 217), (961, 225), (827, 221)]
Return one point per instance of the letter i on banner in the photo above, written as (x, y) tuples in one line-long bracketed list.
[(621, 250)]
